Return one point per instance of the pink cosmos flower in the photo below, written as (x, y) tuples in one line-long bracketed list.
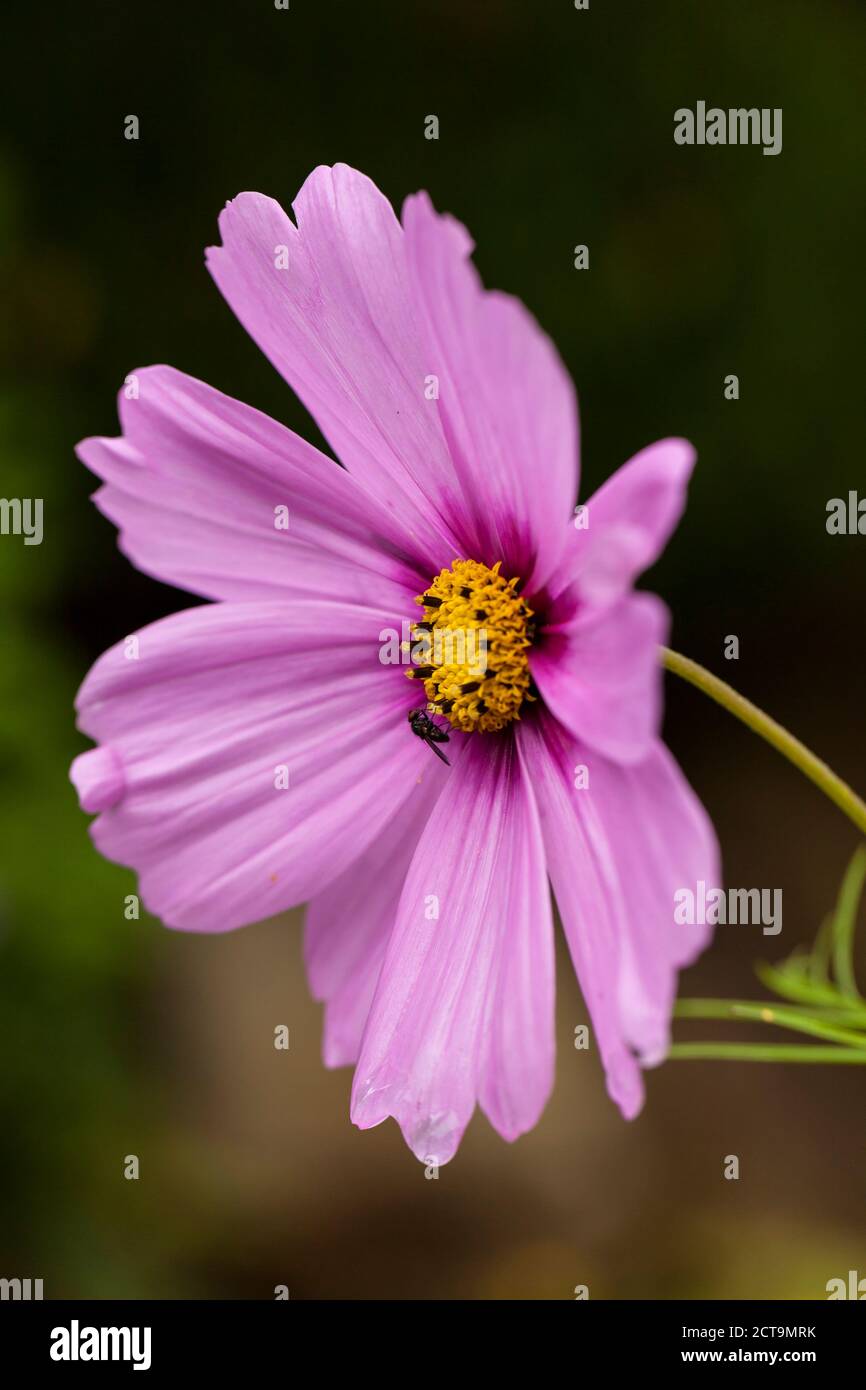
[(430, 929)]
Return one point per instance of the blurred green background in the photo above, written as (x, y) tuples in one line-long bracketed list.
[(556, 128)]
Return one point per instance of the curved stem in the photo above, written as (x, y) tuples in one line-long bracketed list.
[(769, 1013), (790, 747)]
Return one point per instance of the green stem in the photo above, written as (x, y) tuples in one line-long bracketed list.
[(791, 748), (852, 1018), (768, 1013), (778, 1052)]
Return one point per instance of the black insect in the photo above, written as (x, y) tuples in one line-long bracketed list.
[(422, 725)]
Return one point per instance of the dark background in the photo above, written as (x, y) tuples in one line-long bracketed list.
[(556, 128)]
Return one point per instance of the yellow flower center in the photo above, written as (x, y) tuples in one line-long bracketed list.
[(472, 647)]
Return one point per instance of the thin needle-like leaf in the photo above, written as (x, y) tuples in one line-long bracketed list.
[(844, 922)]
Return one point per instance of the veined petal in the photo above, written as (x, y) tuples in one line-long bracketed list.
[(257, 750), (620, 842), (472, 941), (662, 841), (328, 301), (601, 676), (583, 873), (349, 922), (629, 521), (216, 498), (506, 402), (518, 1060)]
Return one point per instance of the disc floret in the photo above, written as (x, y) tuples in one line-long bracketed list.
[(472, 647)]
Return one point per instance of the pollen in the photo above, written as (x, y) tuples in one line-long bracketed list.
[(471, 650)]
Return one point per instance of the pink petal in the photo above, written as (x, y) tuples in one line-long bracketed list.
[(349, 922), (586, 889), (338, 323), (617, 850), (202, 721), (600, 675), (661, 840), (507, 404), (97, 776), (518, 1059), (195, 484), (630, 520), (464, 1005)]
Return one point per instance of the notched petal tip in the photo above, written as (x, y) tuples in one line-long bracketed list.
[(418, 209), (434, 1140), (97, 776)]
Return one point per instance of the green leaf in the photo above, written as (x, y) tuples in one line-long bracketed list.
[(844, 923)]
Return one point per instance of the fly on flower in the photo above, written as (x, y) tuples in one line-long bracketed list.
[(460, 506), (421, 724)]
